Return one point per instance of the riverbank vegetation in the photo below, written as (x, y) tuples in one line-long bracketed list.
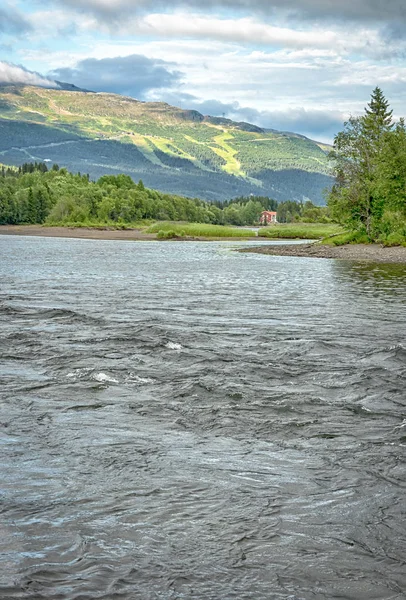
[(167, 230), (369, 195), (366, 204), (33, 194), (302, 231)]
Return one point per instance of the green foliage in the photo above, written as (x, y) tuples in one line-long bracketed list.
[(278, 151), (314, 214), (350, 237), (265, 202), (170, 234), (308, 231), (292, 212), (57, 197), (395, 239), (369, 195)]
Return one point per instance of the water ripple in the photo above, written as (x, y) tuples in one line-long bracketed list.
[(182, 421)]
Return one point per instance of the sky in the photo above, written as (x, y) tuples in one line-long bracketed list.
[(293, 65)]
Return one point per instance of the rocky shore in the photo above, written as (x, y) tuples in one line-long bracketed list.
[(356, 252)]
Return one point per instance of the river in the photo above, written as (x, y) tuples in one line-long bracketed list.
[(183, 421)]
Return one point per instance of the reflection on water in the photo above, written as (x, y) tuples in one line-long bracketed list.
[(183, 421), (388, 278)]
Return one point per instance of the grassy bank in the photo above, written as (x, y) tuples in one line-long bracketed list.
[(302, 231), (359, 237), (168, 229)]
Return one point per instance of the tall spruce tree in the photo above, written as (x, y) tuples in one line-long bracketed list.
[(378, 118)]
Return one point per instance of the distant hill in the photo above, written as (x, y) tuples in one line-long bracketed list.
[(171, 149), (69, 87)]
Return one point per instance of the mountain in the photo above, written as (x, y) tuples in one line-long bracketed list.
[(62, 85), (170, 149)]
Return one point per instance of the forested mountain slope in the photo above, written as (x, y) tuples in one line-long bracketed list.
[(175, 150)]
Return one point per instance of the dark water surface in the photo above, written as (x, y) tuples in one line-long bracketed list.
[(179, 421)]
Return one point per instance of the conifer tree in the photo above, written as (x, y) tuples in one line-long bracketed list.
[(378, 118)]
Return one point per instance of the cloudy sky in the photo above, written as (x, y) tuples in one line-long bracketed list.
[(297, 65)]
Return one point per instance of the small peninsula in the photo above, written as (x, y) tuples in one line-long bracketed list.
[(355, 252)]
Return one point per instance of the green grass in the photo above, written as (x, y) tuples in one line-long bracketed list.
[(394, 239), (198, 230), (347, 237), (227, 152), (359, 237), (303, 231)]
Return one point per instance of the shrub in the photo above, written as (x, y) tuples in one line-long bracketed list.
[(352, 237), (395, 239), (167, 235)]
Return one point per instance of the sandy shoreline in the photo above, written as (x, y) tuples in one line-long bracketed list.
[(100, 234), (355, 252), (77, 232)]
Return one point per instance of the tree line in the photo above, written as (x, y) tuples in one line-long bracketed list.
[(34, 194), (369, 158)]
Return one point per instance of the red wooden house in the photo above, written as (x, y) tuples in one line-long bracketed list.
[(267, 216)]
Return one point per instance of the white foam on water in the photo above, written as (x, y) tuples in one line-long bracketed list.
[(138, 379), (103, 378), (79, 373), (173, 346)]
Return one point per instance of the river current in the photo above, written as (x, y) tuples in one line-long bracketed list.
[(183, 421)]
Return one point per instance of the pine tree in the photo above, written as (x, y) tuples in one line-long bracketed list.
[(378, 117)]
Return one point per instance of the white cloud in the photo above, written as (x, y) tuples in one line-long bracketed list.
[(246, 30), (298, 69), (364, 10), (50, 23), (131, 75), (10, 73), (365, 74)]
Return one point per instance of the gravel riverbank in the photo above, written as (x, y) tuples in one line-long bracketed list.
[(358, 252)]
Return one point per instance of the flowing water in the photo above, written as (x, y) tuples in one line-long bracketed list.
[(182, 421)]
